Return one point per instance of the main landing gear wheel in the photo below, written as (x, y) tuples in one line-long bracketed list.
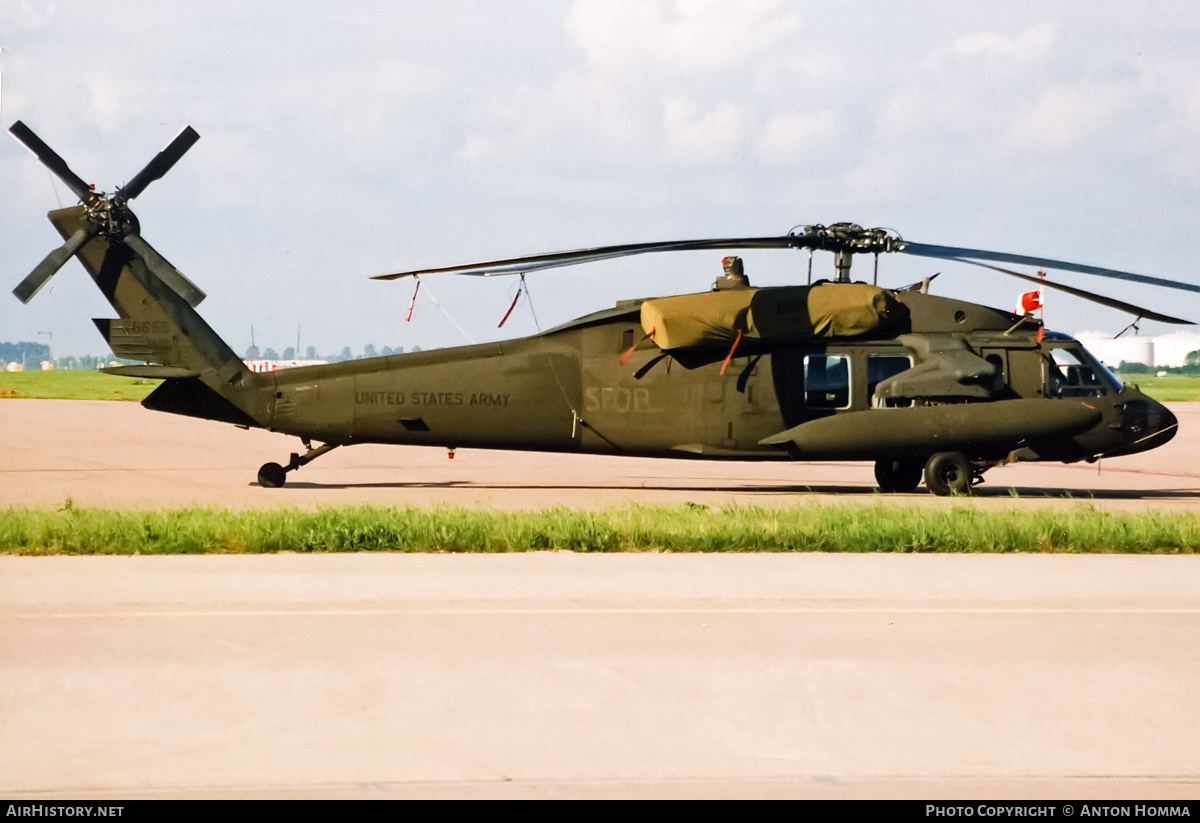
[(272, 475), (949, 473), (898, 474)]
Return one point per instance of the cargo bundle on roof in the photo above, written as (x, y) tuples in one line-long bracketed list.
[(778, 314)]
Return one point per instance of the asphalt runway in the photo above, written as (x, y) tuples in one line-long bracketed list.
[(552, 674), (116, 454)]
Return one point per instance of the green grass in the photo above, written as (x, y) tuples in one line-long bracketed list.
[(1173, 388), (687, 528), (74, 385)]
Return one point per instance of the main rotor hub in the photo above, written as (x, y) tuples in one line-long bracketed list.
[(846, 240), (851, 238)]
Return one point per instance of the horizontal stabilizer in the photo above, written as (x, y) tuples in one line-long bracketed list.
[(150, 372)]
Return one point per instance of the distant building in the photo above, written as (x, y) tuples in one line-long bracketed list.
[(1162, 350), (275, 365)]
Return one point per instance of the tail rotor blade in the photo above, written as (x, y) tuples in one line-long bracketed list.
[(161, 164), (54, 261), (50, 160)]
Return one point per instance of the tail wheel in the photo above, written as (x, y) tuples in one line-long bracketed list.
[(898, 474), (272, 476), (949, 473)]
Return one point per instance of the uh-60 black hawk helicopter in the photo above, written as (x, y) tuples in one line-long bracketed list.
[(841, 370)]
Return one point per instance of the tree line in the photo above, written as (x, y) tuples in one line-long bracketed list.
[(31, 355), (24, 352), (1191, 367), (310, 353)]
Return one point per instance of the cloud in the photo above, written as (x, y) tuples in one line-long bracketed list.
[(1066, 116), (475, 148), (684, 35), (111, 104), (787, 138), (691, 138), (1026, 47), (229, 170), (25, 14)]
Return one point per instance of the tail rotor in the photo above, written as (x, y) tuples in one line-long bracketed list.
[(106, 216)]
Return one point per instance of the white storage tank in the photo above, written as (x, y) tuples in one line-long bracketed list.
[(1172, 349), (1128, 348)]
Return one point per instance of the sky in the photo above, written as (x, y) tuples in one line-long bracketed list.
[(340, 141)]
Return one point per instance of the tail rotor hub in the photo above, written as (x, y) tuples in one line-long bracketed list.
[(111, 216)]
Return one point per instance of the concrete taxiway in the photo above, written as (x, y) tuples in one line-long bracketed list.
[(119, 454), (564, 675)]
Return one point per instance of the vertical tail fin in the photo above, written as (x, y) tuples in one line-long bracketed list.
[(157, 325), (157, 322)]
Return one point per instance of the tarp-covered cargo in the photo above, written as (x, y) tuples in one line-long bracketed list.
[(774, 314)]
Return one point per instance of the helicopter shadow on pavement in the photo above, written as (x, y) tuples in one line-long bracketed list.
[(444, 484), (847, 491), (633, 486)]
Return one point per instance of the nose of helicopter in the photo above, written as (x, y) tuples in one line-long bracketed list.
[(1146, 423)]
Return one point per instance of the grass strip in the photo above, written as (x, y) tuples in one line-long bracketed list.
[(685, 528), (73, 385)]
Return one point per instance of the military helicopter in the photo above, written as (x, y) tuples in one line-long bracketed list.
[(925, 386)]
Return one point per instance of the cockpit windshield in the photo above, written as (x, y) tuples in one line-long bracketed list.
[(1074, 372)]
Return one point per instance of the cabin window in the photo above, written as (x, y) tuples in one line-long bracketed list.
[(879, 368), (997, 362), (827, 381), (1072, 374)]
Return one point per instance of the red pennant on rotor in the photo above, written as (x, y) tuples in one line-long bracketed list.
[(510, 309), (413, 302)]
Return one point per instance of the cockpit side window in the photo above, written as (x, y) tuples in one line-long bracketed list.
[(879, 368), (1073, 373)]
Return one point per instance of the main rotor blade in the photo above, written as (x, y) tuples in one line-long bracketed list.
[(165, 272), (53, 261), (161, 164), (1111, 302), (50, 160), (538, 262), (952, 253)]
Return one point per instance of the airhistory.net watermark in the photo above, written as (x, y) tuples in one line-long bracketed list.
[(51, 810)]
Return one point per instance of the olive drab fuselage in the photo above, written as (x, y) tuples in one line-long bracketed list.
[(568, 390)]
